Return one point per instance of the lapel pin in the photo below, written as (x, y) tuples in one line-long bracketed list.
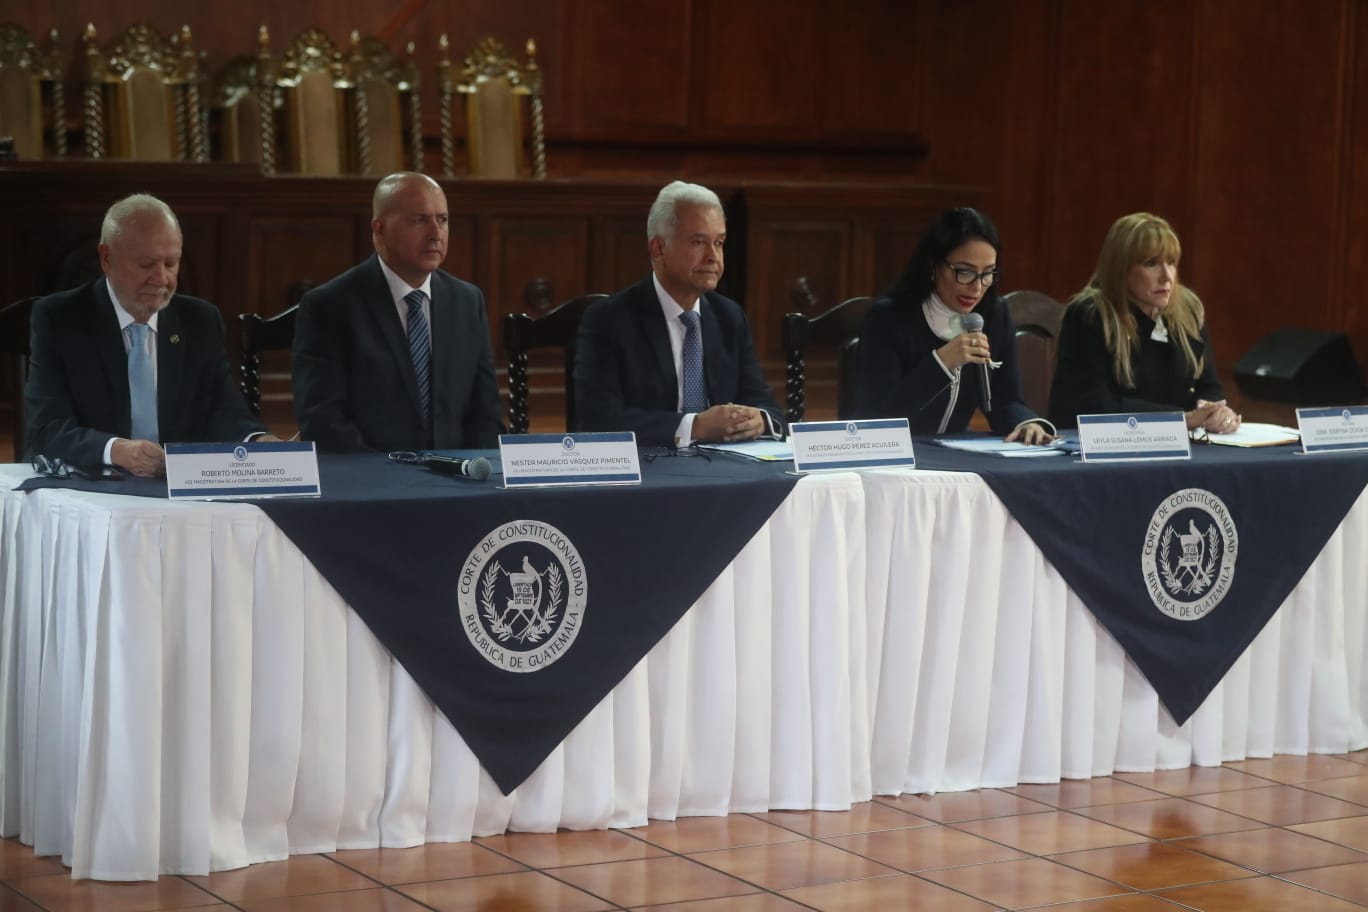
[(175, 338)]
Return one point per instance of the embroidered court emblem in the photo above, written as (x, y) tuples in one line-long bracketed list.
[(1188, 560), (522, 594)]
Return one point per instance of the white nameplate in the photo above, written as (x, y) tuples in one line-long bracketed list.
[(1333, 430), (1124, 437), (225, 471), (532, 460), (843, 445)]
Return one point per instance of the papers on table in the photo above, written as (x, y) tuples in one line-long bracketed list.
[(761, 450), (1254, 434), (996, 446)]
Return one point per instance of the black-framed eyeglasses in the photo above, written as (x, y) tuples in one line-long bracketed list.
[(967, 275), (650, 454), (53, 468), (406, 456)]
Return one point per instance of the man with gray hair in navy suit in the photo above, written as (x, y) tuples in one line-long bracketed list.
[(669, 358)]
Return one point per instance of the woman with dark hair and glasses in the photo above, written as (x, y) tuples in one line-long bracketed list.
[(1135, 339), (919, 359)]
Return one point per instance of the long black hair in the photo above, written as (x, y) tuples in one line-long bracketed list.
[(947, 231)]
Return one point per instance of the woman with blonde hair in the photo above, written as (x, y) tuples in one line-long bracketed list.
[(1134, 339)]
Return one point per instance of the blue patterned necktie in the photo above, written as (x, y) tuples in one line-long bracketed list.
[(142, 385), (695, 391), (420, 346)]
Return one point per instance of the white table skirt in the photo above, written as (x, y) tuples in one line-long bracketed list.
[(220, 705)]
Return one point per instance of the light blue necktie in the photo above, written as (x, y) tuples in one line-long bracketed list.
[(142, 385), (420, 347), (695, 389)]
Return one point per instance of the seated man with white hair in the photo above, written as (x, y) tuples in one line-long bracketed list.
[(123, 364), (669, 357)]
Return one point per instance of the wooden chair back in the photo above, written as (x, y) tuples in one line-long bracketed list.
[(523, 333), (837, 330), (1037, 317)]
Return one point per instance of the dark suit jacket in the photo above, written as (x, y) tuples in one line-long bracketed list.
[(898, 377), (77, 388), (354, 383), (1085, 384), (625, 376)]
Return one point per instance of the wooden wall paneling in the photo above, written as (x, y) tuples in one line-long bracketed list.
[(869, 78), (620, 254), (890, 246), (1124, 130), (755, 69), (987, 70), (1354, 191), (285, 249), (1269, 123), (523, 248), (633, 68), (464, 232), (781, 250), (201, 257)]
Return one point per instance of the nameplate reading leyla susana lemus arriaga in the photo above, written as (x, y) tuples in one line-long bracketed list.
[(536, 460), (1128, 438), (234, 471), (1333, 430), (824, 446)]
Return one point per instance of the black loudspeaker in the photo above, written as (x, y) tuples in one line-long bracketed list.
[(1303, 367)]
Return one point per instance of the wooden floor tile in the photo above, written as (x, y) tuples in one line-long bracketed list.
[(900, 891), (792, 864), (1289, 769), (297, 876), (1272, 850), (1077, 793), (1351, 831), (529, 891), (17, 860), (376, 900), (702, 834), (752, 902), (1280, 805), (925, 848), (868, 817), (59, 893), (1021, 884), (1262, 894), (1051, 832), (1170, 818), (1194, 780), (434, 861), (748, 903), (652, 881), (952, 807), (556, 850), (1153, 865), (1347, 881)]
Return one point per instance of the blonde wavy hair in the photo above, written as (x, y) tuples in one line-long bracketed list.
[(1133, 239)]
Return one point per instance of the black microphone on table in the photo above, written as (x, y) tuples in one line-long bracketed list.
[(477, 468), (973, 323)]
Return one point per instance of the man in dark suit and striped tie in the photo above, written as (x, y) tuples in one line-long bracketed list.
[(394, 353)]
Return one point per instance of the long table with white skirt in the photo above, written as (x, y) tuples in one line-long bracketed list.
[(218, 704)]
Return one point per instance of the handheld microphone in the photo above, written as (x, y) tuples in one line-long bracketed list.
[(973, 322), (477, 468)]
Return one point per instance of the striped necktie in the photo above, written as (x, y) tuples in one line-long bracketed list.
[(142, 385), (420, 347), (695, 390)]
